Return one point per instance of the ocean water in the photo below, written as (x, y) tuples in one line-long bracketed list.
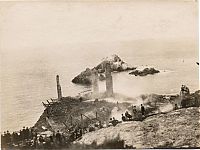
[(29, 79)]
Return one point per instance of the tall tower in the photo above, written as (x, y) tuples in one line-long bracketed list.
[(95, 85), (59, 91), (109, 81)]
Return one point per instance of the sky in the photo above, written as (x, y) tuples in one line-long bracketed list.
[(38, 26)]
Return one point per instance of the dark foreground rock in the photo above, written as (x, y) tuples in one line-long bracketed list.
[(144, 72), (117, 65)]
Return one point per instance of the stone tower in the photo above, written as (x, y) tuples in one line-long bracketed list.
[(109, 81), (95, 85), (59, 91)]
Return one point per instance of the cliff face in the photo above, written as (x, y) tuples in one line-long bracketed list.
[(117, 65), (175, 129)]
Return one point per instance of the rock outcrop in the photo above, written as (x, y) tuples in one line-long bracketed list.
[(144, 72), (117, 65), (175, 129)]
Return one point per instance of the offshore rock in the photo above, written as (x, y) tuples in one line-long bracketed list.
[(84, 77), (144, 72), (117, 65)]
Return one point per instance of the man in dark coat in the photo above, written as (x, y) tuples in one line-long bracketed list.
[(142, 110)]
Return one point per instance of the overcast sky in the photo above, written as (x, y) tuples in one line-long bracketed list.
[(29, 25)]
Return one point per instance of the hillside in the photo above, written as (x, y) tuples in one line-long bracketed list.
[(175, 129)]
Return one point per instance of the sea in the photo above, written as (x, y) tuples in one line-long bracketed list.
[(28, 77)]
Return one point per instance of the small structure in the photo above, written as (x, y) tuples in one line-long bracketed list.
[(59, 91), (109, 80)]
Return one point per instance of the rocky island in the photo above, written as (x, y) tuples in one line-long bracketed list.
[(117, 65), (144, 72)]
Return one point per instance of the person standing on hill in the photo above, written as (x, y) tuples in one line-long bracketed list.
[(142, 109), (123, 117)]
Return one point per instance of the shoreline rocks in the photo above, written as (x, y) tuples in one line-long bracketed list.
[(144, 72)]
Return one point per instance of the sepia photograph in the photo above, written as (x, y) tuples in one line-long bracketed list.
[(99, 74)]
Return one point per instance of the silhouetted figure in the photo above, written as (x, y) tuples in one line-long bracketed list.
[(134, 110), (80, 99), (23, 133), (80, 132), (20, 135), (27, 133), (110, 122), (142, 110), (3, 139), (8, 136), (31, 133), (123, 117), (184, 90), (14, 137), (58, 137), (63, 139), (128, 115), (41, 140), (35, 140), (51, 139), (114, 121), (175, 107)]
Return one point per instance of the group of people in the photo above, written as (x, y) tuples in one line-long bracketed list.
[(113, 122), (8, 139), (27, 137), (184, 90), (55, 140), (129, 117)]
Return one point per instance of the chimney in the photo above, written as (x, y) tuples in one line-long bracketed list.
[(58, 88), (109, 81), (95, 85)]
